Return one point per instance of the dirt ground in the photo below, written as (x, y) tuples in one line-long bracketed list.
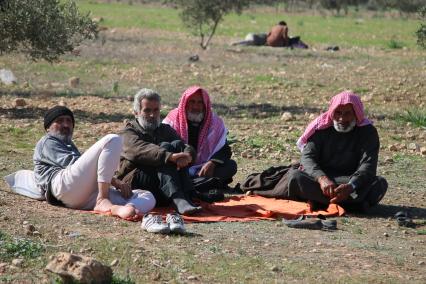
[(251, 88)]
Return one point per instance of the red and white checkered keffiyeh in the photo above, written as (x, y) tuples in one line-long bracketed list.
[(325, 120), (212, 136)]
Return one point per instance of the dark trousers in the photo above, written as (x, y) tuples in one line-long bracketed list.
[(165, 181), (303, 187), (225, 171)]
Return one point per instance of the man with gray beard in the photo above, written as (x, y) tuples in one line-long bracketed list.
[(154, 157), (339, 159)]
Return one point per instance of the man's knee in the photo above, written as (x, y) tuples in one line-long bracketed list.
[(113, 141), (232, 167), (295, 175)]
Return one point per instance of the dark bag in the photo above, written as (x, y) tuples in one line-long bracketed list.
[(265, 180), (208, 189)]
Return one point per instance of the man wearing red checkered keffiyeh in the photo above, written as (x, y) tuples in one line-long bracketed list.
[(339, 158), (198, 126)]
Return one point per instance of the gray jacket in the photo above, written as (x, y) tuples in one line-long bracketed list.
[(50, 156)]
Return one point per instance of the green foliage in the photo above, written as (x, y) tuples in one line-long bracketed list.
[(12, 248), (394, 44), (203, 17), (421, 33), (43, 29), (416, 116)]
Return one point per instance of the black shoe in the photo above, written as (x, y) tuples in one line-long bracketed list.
[(213, 195)]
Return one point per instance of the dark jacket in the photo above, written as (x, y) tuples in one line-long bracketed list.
[(141, 148)]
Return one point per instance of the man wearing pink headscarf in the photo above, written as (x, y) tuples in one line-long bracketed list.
[(198, 126), (339, 158)]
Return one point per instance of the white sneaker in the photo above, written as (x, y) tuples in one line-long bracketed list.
[(176, 224), (154, 224)]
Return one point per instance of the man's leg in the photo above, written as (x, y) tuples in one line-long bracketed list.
[(304, 187), (86, 182), (226, 171)]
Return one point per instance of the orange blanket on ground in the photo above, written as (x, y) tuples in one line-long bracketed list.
[(251, 208)]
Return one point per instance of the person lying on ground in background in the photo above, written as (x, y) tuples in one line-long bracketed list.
[(339, 158), (197, 125), (278, 36), (84, 181), (154, 157)]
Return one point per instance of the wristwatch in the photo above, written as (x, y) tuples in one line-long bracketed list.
[(354, 195)]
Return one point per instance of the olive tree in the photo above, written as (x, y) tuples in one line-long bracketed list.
[(203, 17), (421, 33), (43, 29)]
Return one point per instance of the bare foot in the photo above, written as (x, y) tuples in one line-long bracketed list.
[(124, 212), (103, 205)]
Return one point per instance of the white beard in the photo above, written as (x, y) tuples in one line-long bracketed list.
[(339, 128), (63, 137), (195, 117), (149, 125)]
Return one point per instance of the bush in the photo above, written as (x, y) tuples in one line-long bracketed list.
[(43, 29), (421, 33), (203, 17)]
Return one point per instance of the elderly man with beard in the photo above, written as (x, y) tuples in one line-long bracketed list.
[(339, 158), (198, 126), (83, 181), (154, 157)]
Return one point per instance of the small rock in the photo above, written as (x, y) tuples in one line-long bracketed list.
[(62, 103), (25, 223), (19, 102), (386, 234), (286, 116), (421, 262), (275, 268), (423, 150), (3, 267), (73, 82), (114, 262), (313, 116), (97, 20), (393, 148), (113, 249), (194, 58), (18, 262), (157, 276), (388, 160), (29, 229), (25, 84), (192, 278), (414, 147), (7, 77)]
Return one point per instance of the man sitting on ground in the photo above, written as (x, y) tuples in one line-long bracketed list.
[(154, 157), (278, 36), (83, 181), (339, 158), (198, 126)]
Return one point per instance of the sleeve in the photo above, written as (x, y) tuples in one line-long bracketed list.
[(142, 153), (55, 153), (369, 154), (223, 155), (311, 156)]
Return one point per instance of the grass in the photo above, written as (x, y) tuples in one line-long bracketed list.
[(416, 116), (11, 248), (313, 29)]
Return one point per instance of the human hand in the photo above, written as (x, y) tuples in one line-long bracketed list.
[(207, 170), (124, 188), (342, 193), (327, 186), (176, 156)]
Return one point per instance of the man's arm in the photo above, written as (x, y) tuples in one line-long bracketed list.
[(56, 153), (367, 168), (142, 153)]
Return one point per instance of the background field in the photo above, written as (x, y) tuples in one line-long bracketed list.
[(146, 46)]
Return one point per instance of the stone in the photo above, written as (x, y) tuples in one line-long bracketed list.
[(76, 268), (393, 148), (114, 262), (19, 102), (62, 103), (17, 262), (414, 147), (287, 116), (421, 262), (388, 160), (423, 150), (192, 278), (7, 77), (29, 229), (73, 82), (275, 268), (3, 267)]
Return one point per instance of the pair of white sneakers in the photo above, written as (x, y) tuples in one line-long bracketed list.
[(154, 224)]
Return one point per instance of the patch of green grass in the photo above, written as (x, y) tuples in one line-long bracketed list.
[(416, 116), (395, 44), (265, 79), (13, 248), (421, 232), (256, 142)]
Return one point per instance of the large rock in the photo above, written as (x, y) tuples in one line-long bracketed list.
[(7, 77), (71, 267)]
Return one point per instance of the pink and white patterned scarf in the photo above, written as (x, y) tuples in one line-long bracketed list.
[(325, 120), (212, 136)]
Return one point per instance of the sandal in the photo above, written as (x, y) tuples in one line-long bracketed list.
[(311, 223), (404, 220)]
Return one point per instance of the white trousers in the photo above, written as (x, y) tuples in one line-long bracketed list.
[(77, 185)]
